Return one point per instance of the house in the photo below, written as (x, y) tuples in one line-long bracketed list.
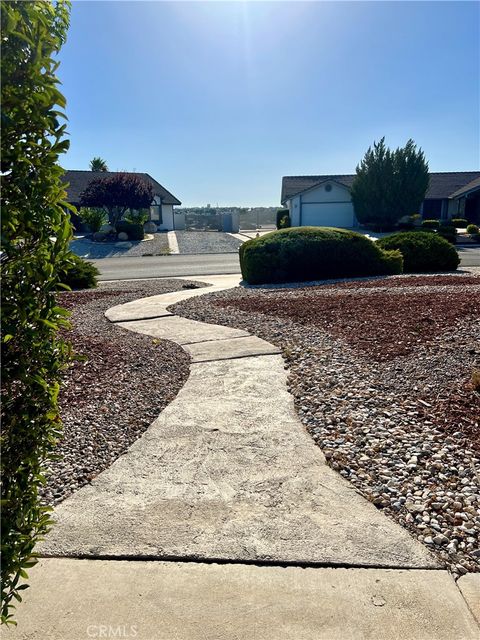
[(325, 200), (161, 210)]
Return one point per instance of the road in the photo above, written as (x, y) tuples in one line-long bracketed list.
[(167, 266), (202, 265)]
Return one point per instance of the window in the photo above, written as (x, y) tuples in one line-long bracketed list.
[(156, 213)]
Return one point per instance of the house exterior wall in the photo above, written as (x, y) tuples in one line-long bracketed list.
[(167, 217), (293, 206), (323, 207)]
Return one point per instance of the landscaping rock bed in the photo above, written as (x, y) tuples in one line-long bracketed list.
[(85, 248), (113, 395), (195, 242), (381, 373)]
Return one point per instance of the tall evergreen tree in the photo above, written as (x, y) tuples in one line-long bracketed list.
[(389, 184)]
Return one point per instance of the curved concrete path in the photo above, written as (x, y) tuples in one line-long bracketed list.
[(227, 471)]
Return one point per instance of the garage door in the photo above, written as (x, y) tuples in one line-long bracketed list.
[(327, 214)]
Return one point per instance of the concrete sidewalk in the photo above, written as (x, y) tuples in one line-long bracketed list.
[(82, 599), (228, 474)]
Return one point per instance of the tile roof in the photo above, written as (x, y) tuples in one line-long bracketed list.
[(474, 185), (442, 185), (78, 181)]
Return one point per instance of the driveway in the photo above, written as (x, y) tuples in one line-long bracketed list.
[(197, 242)]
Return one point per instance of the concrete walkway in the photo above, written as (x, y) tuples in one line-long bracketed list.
[(227, 471), (228, 474)]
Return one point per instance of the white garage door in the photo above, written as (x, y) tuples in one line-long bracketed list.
[(327, 214)]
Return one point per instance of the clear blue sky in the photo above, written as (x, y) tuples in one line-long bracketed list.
[(219, 100)]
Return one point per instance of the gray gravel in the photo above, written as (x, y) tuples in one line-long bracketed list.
[(108, 400), (371, 423), (87, 249), (206, 242)]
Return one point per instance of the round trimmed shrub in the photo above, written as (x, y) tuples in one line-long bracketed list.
[(472, 229), (459, 222), (448, 232), (422, 251), (430, 224), (79, 274), (314, 253)]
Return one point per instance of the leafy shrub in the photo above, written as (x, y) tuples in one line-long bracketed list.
[(313, 253), (95, 217), (422, 251), (430, 224), (448, 232), (78, 273), (33, 211), (472, 229), (407, 223), (459, 222), (133, 231), (135, 216), (283, 217)]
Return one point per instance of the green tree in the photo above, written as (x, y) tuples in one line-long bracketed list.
[(33, 212), (389, 184), (98, 164), (117, 194)]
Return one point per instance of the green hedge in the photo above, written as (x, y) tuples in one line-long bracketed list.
[(472, 229), (314, 253), (431, 224), (134, 231), (448, 232), (422, 251), (79, 274), (458, 222)]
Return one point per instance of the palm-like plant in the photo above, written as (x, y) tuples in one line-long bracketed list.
[(98, 164)]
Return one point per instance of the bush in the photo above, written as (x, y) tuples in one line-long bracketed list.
[(431, 224), (472, 229), (314, 253), (283, 219), (136, 216), (448, 232), (133, 231), (33, 212), (94, 217), (458, 222), (79, 274), (422, 251)]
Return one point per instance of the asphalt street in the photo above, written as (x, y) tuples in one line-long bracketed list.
[(201, 265), (167, 266)]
